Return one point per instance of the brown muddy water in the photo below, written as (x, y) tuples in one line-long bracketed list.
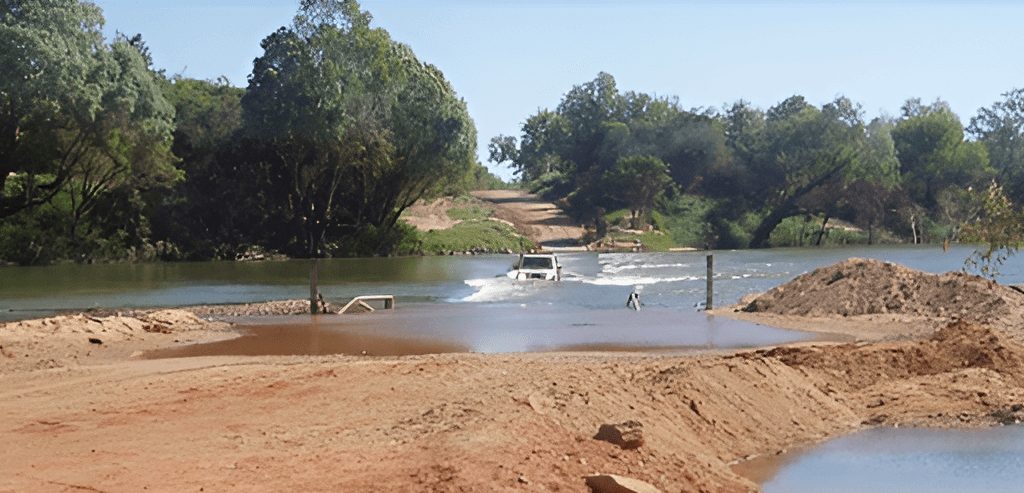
[(434, 328), (903, 460)]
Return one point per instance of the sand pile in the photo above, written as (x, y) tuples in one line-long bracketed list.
[(956, 347), (865, 287), (58, 341)]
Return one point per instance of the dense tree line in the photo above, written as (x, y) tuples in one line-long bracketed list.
[(917, 177), (102, 157), (341, 128)]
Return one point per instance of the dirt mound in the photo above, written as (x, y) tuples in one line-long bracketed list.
[(865, 287), (958, 346), (58, 341)]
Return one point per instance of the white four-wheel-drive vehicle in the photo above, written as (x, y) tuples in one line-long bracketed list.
[(543, 266)]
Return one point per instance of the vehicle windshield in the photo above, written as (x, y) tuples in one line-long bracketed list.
[(536, 263)]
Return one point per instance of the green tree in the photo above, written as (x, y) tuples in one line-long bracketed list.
[(1000, 128), (804, 151), (131, 145), (999, 227), (934, 155), (84, 127), (191, 217), (52, 90), (638, 181), (353, 127)]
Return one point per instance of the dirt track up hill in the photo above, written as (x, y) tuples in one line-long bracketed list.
[(540, 221)]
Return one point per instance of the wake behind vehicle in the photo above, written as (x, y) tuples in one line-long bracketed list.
[(541, 266)]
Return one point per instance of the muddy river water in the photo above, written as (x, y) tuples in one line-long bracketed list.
[(900, 460), (431, 328), (592, 281)]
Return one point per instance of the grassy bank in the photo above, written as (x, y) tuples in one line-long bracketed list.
[(477, 236)]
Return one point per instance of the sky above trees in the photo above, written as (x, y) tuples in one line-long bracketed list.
[(507, 59)]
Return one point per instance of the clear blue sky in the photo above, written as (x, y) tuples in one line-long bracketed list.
[(509, 58)]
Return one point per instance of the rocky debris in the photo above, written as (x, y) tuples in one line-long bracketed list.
[(627, 435), (611, 483), (1011, 415), (266, 308), (864, 287)]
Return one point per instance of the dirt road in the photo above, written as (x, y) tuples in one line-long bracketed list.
[(538, 220)]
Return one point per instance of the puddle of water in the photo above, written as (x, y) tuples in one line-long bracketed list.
[(904, 460), (435, 328)]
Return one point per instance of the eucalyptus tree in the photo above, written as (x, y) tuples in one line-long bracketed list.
[(79, 118), (934, 154), (638, 181), (1000, 128), (351, 128), (570, 151), (806, 157), (130, 148), (51, 92)]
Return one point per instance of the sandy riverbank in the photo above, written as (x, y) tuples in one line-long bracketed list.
[(95, 418)]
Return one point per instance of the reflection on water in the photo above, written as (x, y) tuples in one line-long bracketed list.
[(436, 328), (592, 281), (905, 460)]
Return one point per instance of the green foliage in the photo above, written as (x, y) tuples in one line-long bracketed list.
[(685, 219), (80, 116), (353, 128), (472, 212), (803, 231), (728, 232), (999, 230), (192, 215), (480, 178), (1000, 128), (341, 128), (34, 236), (400, 239), (934, 155), (551, 185), (637, 181), (492, 236)]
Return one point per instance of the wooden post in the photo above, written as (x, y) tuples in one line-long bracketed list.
[(710, 287), (314, 276)]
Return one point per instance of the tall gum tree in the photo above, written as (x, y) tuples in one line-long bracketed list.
[(51, 92), (350, 125)]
